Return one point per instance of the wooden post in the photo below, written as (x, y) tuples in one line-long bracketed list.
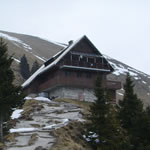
[(71, 58), (102, 63)]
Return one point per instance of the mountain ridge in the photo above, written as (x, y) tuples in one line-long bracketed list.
[(36, 48)]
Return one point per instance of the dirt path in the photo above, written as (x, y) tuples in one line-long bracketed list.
[(34, 134)]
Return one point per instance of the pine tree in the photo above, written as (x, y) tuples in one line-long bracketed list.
[(143, 131), (104, 130), (131, 106), (131, 113), (24, 67), (35, 67), (10, 95)]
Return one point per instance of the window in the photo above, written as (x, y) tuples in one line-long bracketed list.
[(83, 59), (91, 60)]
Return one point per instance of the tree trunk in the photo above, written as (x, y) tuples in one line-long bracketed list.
[(1, 127)]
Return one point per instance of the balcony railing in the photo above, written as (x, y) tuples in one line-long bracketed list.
[(86, 64)]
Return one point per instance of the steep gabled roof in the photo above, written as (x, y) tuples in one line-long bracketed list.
[(55, 59)]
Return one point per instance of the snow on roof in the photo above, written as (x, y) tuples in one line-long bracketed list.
[(44, 68), (29, 80)]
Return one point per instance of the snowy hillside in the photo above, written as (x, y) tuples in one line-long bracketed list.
[(22, 43), (141, 79), (122, 69), (39, 49), (33, 47)]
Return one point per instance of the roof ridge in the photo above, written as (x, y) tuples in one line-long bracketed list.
[(44, 68)]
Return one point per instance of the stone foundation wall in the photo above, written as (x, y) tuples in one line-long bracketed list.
[(83, 94)]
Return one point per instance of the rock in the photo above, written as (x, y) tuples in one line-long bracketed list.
[(36, 125), (40, 148), (33, 138)]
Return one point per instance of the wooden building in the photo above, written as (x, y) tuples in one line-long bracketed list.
[(72, 72)]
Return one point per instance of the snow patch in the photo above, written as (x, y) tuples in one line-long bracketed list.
[(137, 78), (133, 74), (44, 99), (50, 127), (144, 82), (122, 89), (16, 114), (28, 98), (128, 69), (15, 41), (6, 36), (20, 130), (120, 93), (40, 58), (121, 66), (91, 136), (118, 70), (18, 61), (65, 121), (107, 57)]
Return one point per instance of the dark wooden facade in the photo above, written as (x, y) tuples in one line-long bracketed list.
[(76, 66)]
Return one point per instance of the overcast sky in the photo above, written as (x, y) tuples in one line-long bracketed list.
[(118, 28)]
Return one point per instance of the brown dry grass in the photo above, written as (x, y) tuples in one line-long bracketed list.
[(29, 107), (70, 137), (11, 137), (33, 139), (82, 104), (2, 146)]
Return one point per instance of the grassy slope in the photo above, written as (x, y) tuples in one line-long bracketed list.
[(82, 104), (70, 137)]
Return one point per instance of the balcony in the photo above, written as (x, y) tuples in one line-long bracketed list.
[(115, 85), (87, 65)]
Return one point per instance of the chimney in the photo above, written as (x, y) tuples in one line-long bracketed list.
[(70, 42)]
